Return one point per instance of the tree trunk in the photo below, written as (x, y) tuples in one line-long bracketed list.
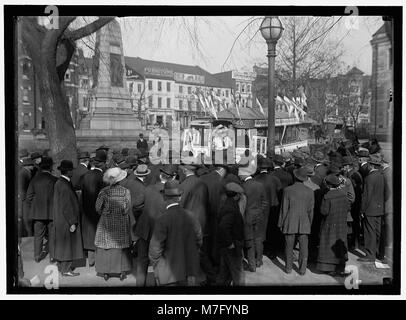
[(61, 133)]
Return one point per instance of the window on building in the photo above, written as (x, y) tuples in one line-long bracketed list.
[(42, 123), (180, 89), (67, 75), (243, 87), (149, 84), (159, 86), (139, 87), (26, 69), (159, 102), (189, 90), (227, 93), (26, 121), (180, 104), (249, 88), (218, 92), (168, 86), (168, 102), (25, 95), (131, 87), (150, 101), (237, 87), (390, 57), (189, 105)]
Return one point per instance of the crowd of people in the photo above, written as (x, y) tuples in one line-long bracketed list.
[(123, 214)]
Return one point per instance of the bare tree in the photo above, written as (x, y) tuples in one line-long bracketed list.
[(51, 51)]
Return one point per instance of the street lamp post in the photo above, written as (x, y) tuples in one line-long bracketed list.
[(271, 29)]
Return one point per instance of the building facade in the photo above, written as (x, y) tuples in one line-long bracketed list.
[(381, 123)]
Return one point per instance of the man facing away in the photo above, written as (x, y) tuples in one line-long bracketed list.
[(295, 219), (175, 242)]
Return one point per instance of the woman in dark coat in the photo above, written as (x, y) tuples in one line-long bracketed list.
[(333, 232), (113, 238), (66, 213)]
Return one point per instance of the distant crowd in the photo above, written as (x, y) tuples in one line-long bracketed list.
[(120, 213)]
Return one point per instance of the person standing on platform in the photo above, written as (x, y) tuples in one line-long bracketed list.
[(175, 242), (39, 200), (231, 237), (142, 144), (253, 218), (333, 248), (113, 238), (81, 169), (296, 218), (154, 206), (91, 184), (272, 186), (373, 210), (66, 216)]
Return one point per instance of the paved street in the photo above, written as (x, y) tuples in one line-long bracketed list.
[(270, 274)]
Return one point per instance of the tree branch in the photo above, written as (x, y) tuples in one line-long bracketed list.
[(88, 29)]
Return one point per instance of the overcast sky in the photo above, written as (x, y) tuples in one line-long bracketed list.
[(170, 40)]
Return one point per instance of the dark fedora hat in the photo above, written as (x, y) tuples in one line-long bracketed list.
[(169, 170), (84, 155), (124, 151), (123, 164), (265, 163), (347, 161), (278, 159), (118, 157), (132, 161), (171, 189), (300, 173), (101, 156), (27, 162), (35, 155), (46, 163), (333, 180), (318, 156), (66, 165), (375, 159), (103, 147), (299, 161)]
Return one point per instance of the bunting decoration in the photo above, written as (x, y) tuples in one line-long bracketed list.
[(260, 107)]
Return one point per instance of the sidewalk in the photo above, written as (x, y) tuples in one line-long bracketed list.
[(270, 274)]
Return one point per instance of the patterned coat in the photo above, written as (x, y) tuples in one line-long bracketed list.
[(296, 214), (66, 212), (113, 229), (333, 232)]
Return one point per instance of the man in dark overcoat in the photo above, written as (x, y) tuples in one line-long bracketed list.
[(231, 237), (373, 210), (36, 158), (175, 242), (284, 177), (142, 144), (295, 219), (195, 195), (210, 258), (91, 184), (39, 200), (66, 217), (253, 218), (154, 206), (388, 176), (25, 226), (272, 186), (364, 168), (81, 169)]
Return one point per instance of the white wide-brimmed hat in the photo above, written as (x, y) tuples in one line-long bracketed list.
[(114, 175)]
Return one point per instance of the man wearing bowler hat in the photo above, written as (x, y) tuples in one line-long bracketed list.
[(295, 219), (39, 200), (175, 242), (36, 158), (66, 215), (373, 210), (279, 171), (91, 184), (81, 169)]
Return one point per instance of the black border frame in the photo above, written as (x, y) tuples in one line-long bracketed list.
[(11, 11)]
